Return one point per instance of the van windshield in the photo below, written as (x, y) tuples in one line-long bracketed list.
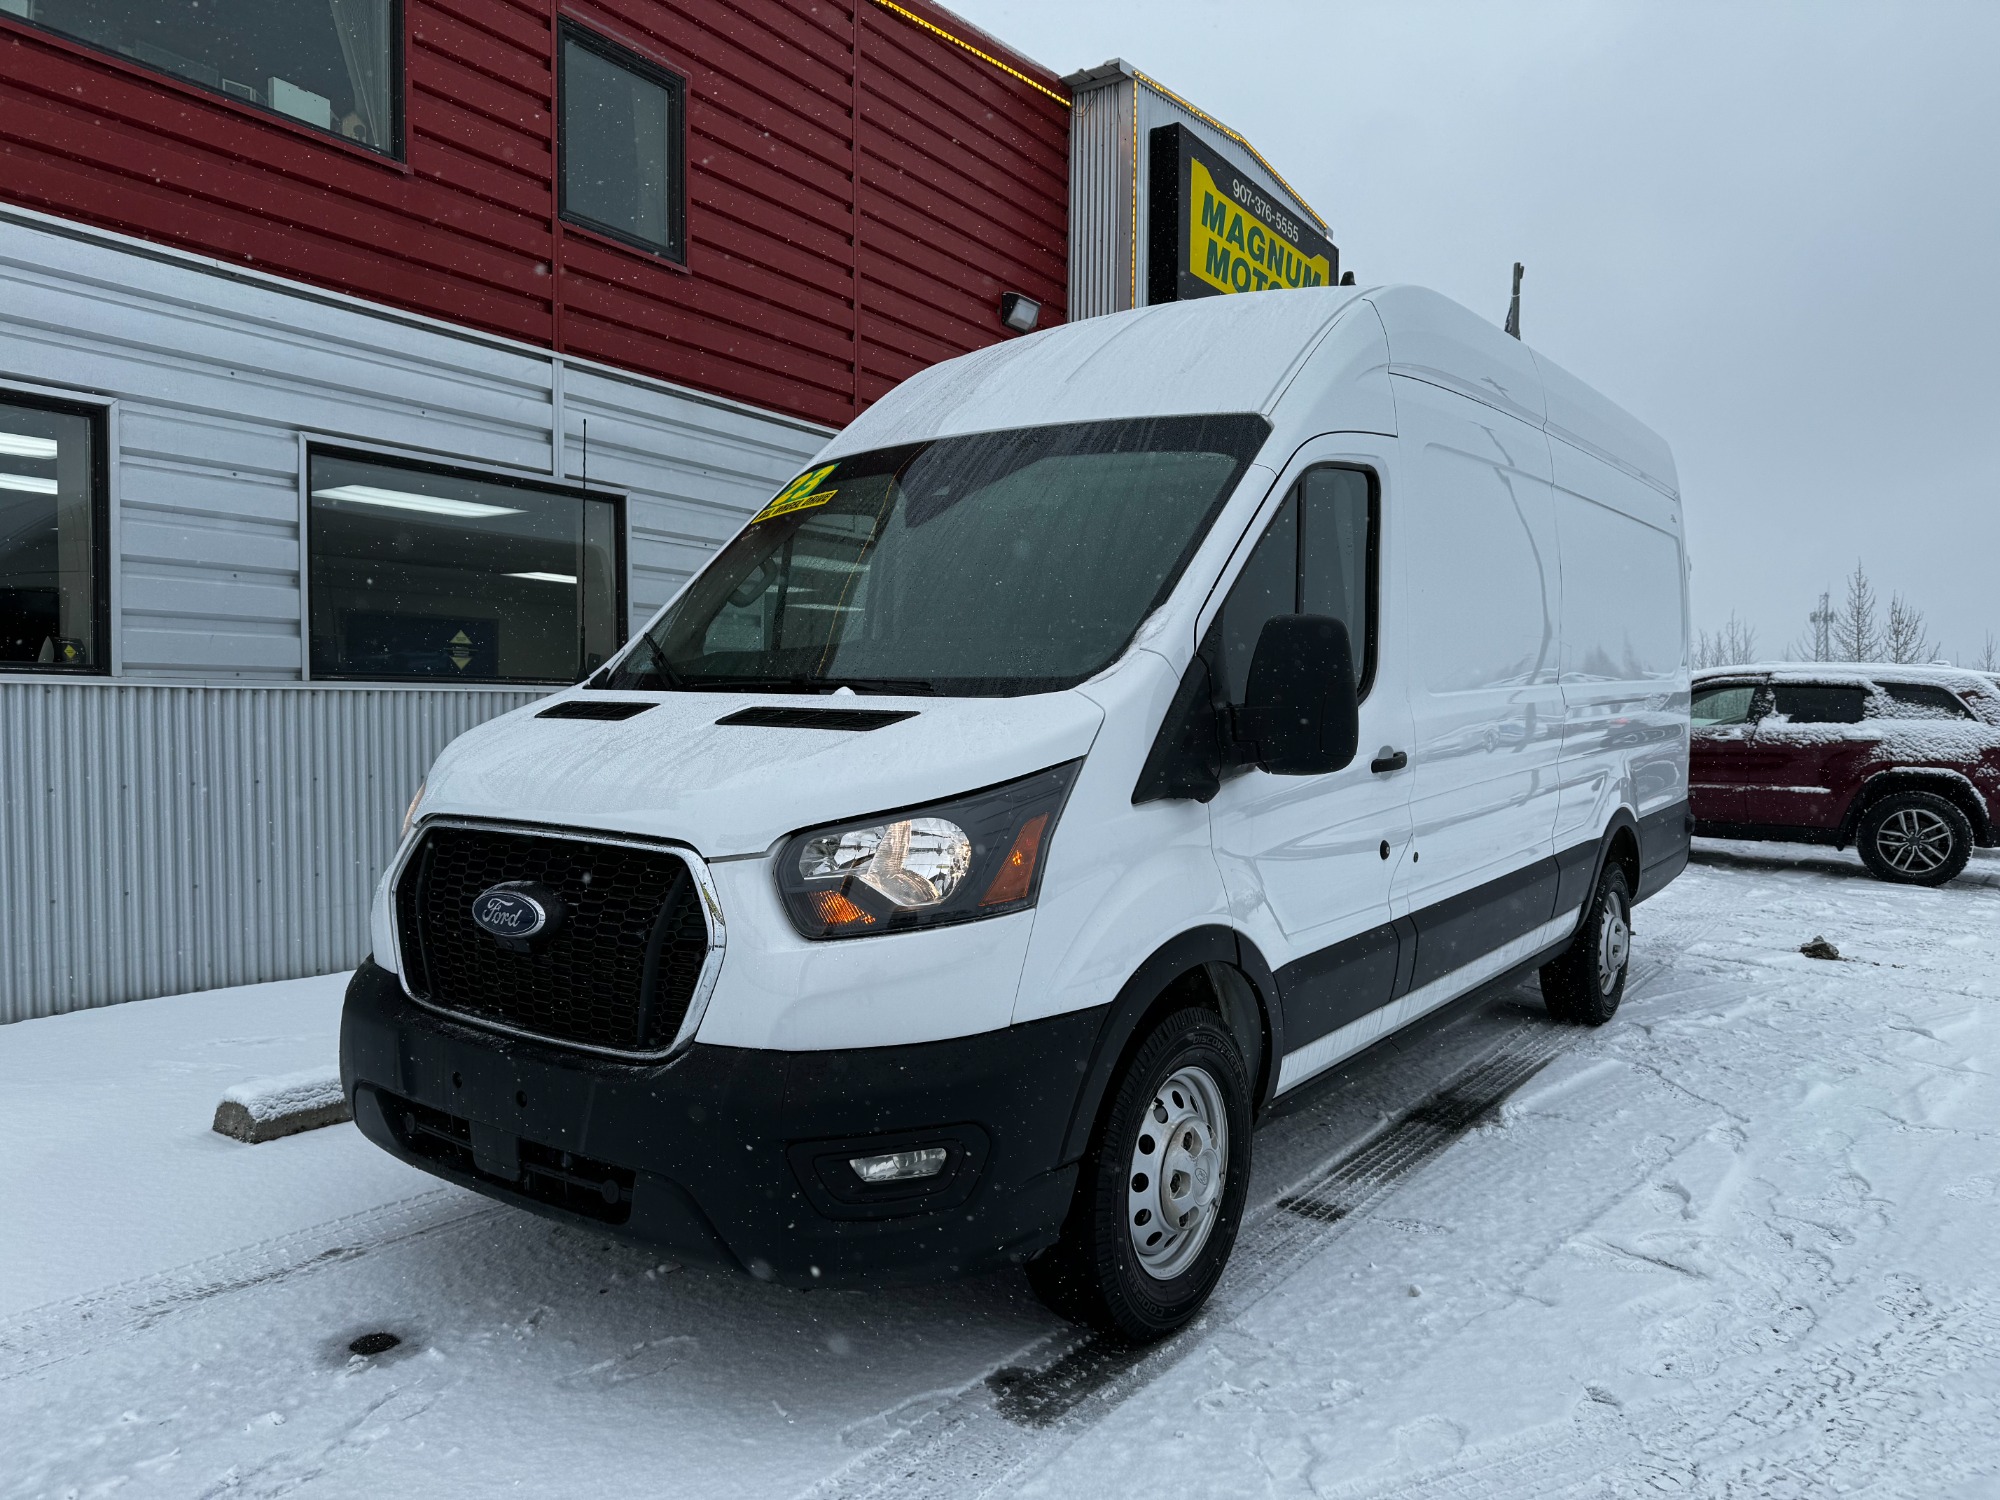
[(998, 564)]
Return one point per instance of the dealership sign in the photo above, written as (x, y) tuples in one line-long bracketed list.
[(1212, 230)]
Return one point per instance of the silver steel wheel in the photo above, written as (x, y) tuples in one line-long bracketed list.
[(1178, 1165), (1614, 944), (1913, 840)]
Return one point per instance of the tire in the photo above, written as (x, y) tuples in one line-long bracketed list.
[(1583, 986), (1915, 838), (1119, 1267)]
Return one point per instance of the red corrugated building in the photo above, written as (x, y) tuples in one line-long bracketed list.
[(860, 189)]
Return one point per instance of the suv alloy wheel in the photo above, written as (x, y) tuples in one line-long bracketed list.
[(1915, 838)]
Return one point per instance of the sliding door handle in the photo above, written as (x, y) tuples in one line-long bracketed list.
[(1388, 760)]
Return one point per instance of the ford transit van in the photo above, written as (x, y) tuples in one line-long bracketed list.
[(1108, 733)]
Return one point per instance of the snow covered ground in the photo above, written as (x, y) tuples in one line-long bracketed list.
[(1739, 1242)]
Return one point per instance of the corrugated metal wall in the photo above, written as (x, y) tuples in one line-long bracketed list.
[(159, 839), (962, 194), (184, 826), (1108, 180), (216, 374), (1101, 178), (780, 265)]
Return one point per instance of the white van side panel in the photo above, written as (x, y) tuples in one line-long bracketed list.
[(1481, 584), (1120, 880), (1592, 425), (1435, 340), (1624, 651), (1344, 386)]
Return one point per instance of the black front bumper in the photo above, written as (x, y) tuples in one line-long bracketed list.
[(736, 1156)]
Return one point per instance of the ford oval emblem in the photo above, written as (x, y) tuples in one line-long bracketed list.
[(515, 910)]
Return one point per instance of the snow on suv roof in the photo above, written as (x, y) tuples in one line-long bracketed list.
[(1957, 678)]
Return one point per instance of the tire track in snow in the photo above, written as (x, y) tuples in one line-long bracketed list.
[(1017, 1418), (59, 1331)]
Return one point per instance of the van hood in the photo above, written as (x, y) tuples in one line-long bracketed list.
[(672, 772)]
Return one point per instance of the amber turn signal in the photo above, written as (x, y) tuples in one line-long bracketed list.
[(835, 910), (1017, 870)]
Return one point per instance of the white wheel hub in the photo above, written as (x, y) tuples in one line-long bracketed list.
[(1180, 1163), (1614, 944)]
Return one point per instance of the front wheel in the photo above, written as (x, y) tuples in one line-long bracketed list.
[(1583, 986), (1161, 1192), (1915, 838)]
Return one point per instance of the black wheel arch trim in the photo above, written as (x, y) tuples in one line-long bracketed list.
[(1245, 988), (1963, 793)]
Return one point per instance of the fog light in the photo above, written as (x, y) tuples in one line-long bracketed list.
[(900, 1166)]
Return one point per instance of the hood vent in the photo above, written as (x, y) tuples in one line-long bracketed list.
[(588, 708), (775, 717)]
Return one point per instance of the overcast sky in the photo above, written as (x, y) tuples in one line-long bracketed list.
[(1770, 230)]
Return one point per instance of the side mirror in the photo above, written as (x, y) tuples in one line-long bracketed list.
[(1301, 714)]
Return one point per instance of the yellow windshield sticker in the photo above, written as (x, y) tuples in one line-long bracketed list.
[(801, 494)]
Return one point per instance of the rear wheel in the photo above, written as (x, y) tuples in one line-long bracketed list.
[(1583, 986), (1161, 1193), (1915, 838)]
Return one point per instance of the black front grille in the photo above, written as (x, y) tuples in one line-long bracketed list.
[(617, 971)]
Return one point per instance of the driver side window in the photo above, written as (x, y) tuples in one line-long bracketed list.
[(1317, 557)]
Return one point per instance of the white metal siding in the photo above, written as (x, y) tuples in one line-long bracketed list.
[(206, 818), (217, 372)]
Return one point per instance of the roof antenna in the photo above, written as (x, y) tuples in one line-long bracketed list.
[(1514, 307)]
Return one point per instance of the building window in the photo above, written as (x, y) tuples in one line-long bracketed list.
[(423, 574), (623, 151), (332, 64), (52, 532)]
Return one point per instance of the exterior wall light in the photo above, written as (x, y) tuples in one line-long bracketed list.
[(1019, 312)]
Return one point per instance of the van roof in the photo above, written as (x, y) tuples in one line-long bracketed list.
[(1241, 354)]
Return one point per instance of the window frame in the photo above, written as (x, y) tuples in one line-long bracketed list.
[(396, 157), (311, 448), (675, 82), (100, 415), (1364, 666), (1886, 688), (1760, 700)]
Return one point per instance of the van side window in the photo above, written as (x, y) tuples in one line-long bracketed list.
[(1814, 703), (1317, 557)]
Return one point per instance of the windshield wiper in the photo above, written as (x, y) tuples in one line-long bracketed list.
[(659, 667)]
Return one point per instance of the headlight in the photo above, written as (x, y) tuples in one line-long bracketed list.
[(978, 856)]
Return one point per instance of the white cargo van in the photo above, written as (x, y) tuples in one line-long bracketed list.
[(1109, 732)]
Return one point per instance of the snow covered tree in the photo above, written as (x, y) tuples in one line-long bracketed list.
[(1855, 634), (1989, 659), (1903, 637), (1731, 646)]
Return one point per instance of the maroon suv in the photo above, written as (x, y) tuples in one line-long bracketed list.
[(1902, 762)]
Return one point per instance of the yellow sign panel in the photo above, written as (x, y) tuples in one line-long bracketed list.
[(801, 494), (1233, 250)]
